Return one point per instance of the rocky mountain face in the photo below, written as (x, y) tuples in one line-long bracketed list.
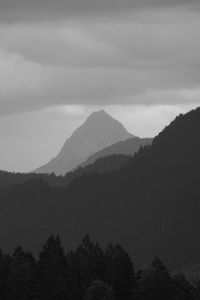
[(98, 132)]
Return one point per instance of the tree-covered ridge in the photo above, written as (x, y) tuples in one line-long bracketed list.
[(88, 273), (127, 147), (175, 149), (100, 166), (151, 205)]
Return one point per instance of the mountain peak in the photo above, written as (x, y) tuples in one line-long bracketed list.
[(101, 122), (100, 112), (99, 115), (99, 131)]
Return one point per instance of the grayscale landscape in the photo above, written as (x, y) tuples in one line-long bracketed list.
[(99, 150)]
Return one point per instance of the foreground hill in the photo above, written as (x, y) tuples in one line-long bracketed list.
[(99, 131), (128, 147), (151, 205)]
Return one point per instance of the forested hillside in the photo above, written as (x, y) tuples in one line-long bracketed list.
[(151, 205), (89, 272)]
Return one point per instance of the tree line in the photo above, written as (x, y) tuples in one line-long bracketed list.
[(88, 273)]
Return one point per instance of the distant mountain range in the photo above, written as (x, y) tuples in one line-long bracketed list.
[(149, 204), (98, 132), (105, 160)]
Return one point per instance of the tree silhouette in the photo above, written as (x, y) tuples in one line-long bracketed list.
[(91, 261), (22, 277), (74, 276), (52, 270), (89, 273), (182, 288), (156, 282), (120, 272)]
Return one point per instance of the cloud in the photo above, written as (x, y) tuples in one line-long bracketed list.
[(144, 120), (20, 83), (18, 10), (139, 58), (146, 40), (26, 86)]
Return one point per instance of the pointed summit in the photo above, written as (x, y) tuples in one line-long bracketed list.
[(100, 121), (99, 131), (100, 115)]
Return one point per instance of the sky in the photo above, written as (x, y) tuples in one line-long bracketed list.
[(61, 60)]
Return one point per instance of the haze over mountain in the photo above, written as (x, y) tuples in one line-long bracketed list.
[(128, 147), (99, 131), (151, 205)]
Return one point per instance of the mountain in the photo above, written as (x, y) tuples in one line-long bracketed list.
[(128, 147), (99, 131), (150, 205)]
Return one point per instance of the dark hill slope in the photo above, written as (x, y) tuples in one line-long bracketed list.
[(128, 147), (151, 205), (100, 166), (176, 149), (8, 179)]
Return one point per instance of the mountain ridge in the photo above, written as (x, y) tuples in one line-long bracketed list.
[(98, 131), (150, 206), (127, 147)]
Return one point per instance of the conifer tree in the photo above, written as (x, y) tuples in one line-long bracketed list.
[(52, 271), (182, 288), (120, 272), (74, 276), (91, 262), (156, 282), (22, 276), (2, 275)]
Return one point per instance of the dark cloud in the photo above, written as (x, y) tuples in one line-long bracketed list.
[(27, 10), (149, 57)]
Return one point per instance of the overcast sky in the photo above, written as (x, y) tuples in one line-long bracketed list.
[(60, 60)]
